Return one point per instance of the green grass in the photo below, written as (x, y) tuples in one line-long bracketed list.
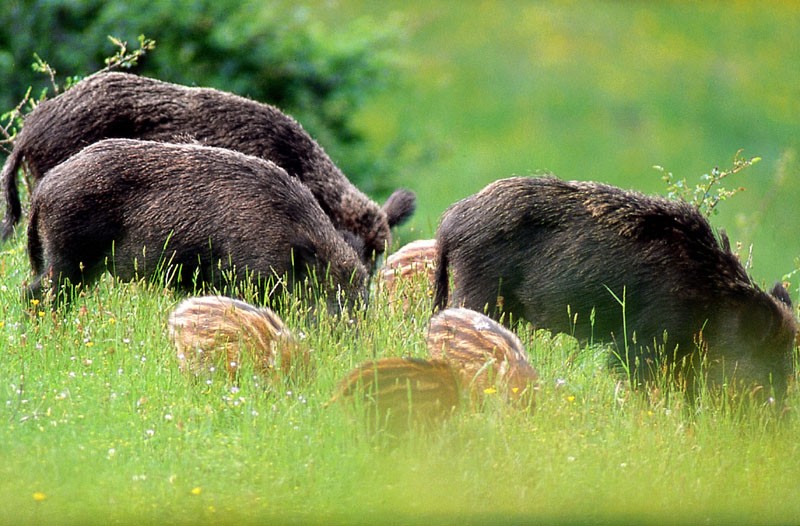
[(98, 424)]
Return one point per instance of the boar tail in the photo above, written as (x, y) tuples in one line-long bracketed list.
[(400, 206), (13, 208), (35, 252), (441, 280), (780, 293)]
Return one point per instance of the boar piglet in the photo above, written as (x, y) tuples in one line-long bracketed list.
[(122, 105), (134, 206), (645, 274)]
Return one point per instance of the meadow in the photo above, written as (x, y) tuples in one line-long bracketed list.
[(99, 425)]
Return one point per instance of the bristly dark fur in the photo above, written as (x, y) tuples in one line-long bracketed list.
[(113, 104), (566, 255), (134, 205)]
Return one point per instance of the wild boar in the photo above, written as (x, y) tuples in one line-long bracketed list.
[(401, 393), (209, 215), (488, 357), (471, 357), (409, 271), (211, 332), (646, 274), (123, 105)]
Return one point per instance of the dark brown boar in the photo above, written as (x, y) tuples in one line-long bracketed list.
[(122, 105), (201, 213), (644, 273), (211, 332)]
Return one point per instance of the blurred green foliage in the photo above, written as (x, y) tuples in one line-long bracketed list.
[(709, 193), (274, 52), (601, 90)]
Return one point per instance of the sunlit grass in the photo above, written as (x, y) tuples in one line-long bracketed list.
[(100, 423)]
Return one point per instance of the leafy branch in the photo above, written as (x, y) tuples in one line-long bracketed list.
[(12, 122), (125, 59), (709, 193)]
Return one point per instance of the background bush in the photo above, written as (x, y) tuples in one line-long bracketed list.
[(275, 52)]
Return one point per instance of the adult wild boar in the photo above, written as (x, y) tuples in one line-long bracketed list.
[(204, 213), (644, 273), (122, 105)]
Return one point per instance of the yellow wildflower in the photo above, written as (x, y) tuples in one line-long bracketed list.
[(197, 490), (490, 390), (38, 496)]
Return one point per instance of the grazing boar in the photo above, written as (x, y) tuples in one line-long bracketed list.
[(406, 269), (400, 393), (205, 215), (213, 331), (122, 105), (645, 274), (487, 357)]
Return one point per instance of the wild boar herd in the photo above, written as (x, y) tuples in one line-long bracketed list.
[(134, 175)]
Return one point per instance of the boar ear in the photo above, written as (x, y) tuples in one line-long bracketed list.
[(763, 319), (400, 206), (780, 293)]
